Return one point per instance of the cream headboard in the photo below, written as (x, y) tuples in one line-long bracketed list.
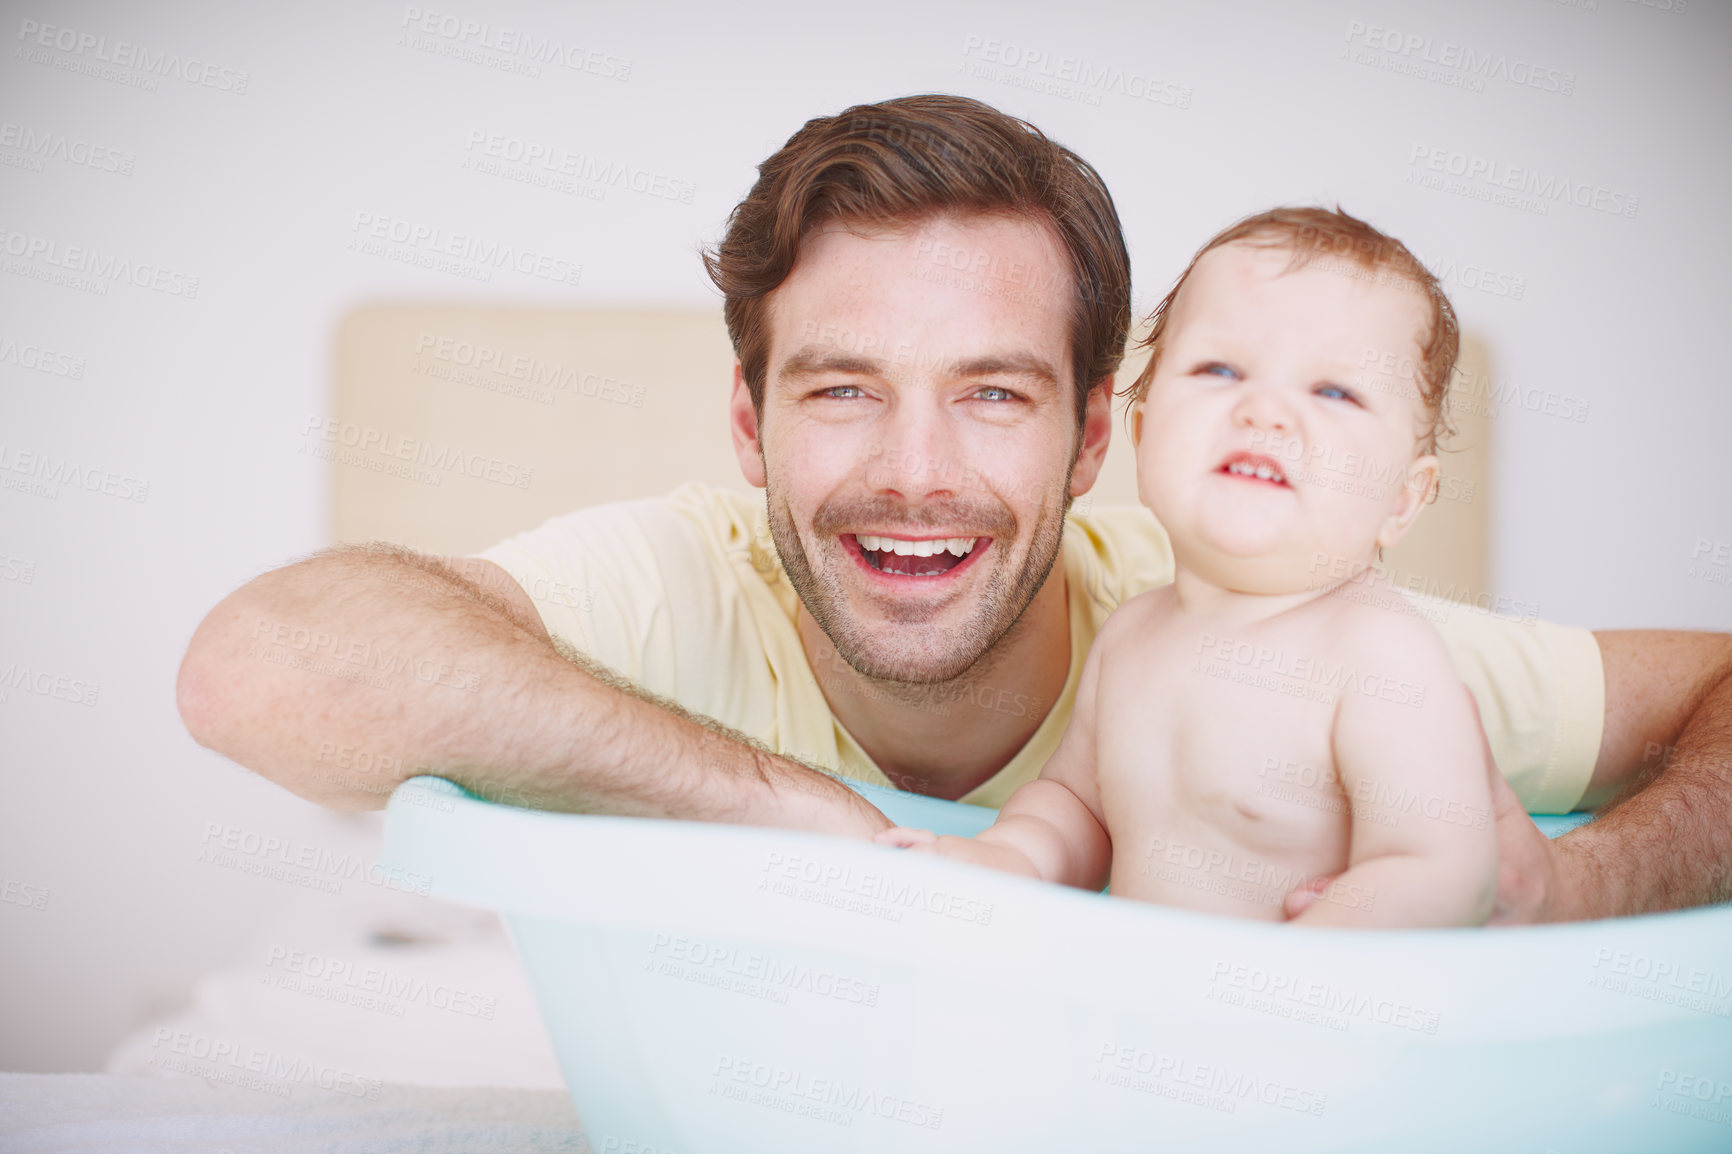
[(456, 425)]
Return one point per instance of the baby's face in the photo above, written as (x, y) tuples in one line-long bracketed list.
[(1267, 451)]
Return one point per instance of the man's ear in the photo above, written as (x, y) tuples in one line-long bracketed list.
[(743, 424), (1097, 434), (1417, 487)]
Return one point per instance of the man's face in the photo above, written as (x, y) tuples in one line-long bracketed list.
[(917, 436)]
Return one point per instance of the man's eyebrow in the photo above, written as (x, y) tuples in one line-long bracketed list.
[(810, 362), (1007, 365)]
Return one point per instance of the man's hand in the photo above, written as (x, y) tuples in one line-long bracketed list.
[(810, 803), (969, 849), (1527, 867)]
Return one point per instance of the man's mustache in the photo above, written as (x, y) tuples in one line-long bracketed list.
[(882, 514)]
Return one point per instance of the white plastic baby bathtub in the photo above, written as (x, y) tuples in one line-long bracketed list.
[(714, 988)]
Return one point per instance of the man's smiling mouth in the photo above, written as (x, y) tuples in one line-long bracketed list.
[(912, 557)]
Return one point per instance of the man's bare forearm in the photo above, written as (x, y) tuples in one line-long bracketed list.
[(1666, 842), (341, 676)]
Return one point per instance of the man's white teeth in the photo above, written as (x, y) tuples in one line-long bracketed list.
[(956, 546), (1261, 472)]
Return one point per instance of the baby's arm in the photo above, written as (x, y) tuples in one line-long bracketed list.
[(1412, 760), (1051, 828)]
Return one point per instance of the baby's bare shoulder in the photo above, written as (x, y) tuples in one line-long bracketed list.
[(1389, 637), (1137, 620)]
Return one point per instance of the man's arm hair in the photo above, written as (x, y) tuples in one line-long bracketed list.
[(1665, 841), (346, 673)]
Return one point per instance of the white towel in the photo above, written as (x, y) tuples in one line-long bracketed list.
[(104, 1113)]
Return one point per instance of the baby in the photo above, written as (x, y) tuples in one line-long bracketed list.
[(1268, 720)]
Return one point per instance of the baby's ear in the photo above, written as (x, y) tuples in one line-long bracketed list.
[(1418, 489), (1136, 425)]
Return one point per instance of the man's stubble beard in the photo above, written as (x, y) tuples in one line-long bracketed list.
[(970, 646)]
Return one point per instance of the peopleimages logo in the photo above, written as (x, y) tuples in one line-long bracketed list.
[(873, 894), (388, 984), (46, 472), (526, 47), (1515, 186), (384, 447), (90, 267), (268, 1071), (373, 231), (533, 372), (1182, 1078), (45, 683), (585, 169), (1448, 60), (1071, 77), (790, 1090), (40, 359), (88, 47), (44, 144)]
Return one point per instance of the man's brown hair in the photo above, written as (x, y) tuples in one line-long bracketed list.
[(1321, 234), (902, 161)]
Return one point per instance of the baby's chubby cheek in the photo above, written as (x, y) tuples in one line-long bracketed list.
[(1163, 461)]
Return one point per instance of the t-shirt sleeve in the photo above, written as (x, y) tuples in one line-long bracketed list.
[(600, 578), (1541, 693), (590, 579)]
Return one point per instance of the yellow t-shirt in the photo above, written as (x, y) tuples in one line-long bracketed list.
[(684, 595)]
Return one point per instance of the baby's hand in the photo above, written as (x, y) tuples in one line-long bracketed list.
[(1304, 896), (968, 849), (904, 838)]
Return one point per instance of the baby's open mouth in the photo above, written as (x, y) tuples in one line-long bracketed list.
[(907, 557), (1255, 467)]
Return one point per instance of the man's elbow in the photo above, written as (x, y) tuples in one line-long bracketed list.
[(197, 695), (212, 685)]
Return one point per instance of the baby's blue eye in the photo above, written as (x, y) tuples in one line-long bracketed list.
[(1217, 369), (1336, 393)]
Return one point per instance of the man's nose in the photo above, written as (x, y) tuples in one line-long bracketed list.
[(916, 457)]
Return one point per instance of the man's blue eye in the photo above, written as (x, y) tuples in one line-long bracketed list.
[(838, 390), (1000, 394)]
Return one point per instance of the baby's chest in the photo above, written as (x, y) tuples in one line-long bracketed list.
[(1181, 737)]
